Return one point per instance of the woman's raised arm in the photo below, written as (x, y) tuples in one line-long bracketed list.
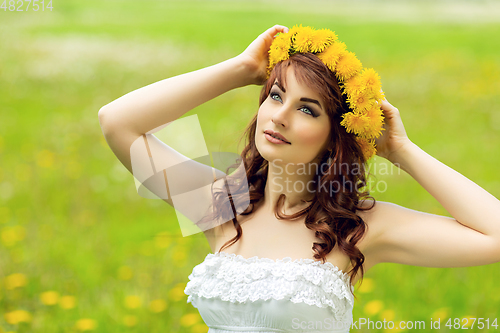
[(470, 238), (128, 123)]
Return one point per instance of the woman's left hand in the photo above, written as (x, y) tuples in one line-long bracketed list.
[(394, 136)]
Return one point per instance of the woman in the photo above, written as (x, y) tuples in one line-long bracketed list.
[(304, 174)]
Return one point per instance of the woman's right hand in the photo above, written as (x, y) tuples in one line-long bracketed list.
[(255, 56)]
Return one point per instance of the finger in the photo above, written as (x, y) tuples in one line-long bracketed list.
[(386, 106), (389, 111), (275, 29)]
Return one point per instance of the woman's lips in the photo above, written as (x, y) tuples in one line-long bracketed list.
[(274, 140)]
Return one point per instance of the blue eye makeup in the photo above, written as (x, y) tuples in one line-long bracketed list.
[(277, 97)]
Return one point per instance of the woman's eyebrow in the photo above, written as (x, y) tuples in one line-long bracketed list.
[(279, 86), (305, 99)]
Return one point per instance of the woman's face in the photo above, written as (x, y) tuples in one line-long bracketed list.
[(298, 114)]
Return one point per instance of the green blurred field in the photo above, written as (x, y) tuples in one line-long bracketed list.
[(80, 250)]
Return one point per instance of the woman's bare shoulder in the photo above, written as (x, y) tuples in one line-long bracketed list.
[(373, 217)]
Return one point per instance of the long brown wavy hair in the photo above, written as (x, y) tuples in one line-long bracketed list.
[(331, 215)]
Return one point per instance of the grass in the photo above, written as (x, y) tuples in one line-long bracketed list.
[(71, 220)]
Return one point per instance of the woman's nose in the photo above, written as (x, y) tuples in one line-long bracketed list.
[(280, 116)]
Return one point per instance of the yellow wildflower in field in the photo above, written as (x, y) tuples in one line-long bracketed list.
[(17, 316), (180, 254), (162, 240), (367, 285), (157, 305), (49, 297), (125, 273), (373, 307), (133, 302), (190, 319), (130, 320), (67, 302), (199, 328), (86, 324), (10, 235), (45, 158), (177, 293), (466, 321), (15, 280), (441, 313), (388, 315)]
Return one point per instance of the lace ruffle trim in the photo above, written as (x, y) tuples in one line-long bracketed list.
[(233, 278)]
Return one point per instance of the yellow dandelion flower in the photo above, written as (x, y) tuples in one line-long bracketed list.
[(86, 324), (125, 273), (371, 79), (302, 39), (279, 48), (177, 293), (49, 297), (293, 30), (468, 320), (282, 41), (321, 39), (17, 316), (130, 320), (199, 328), (8, 236), (157, 305), (376, 122), (367, 285), (379, 95), (331, 55), (388, 315), (189, 319), (330, 35), (276, 55), (360, 102), (373, 307), (355, 122), (15, 280), (67, 302), (353, 86), (367, 147), (347, 66), (440, 313), (163, 240), (133, 302)]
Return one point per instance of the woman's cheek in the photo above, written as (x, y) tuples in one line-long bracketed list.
[(310, 136)]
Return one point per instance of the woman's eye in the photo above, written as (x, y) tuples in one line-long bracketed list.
[(276, 97), (307, 110)]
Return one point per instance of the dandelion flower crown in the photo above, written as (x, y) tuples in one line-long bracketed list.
[(361, 86)]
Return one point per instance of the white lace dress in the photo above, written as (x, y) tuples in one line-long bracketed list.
[(236, 294)]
